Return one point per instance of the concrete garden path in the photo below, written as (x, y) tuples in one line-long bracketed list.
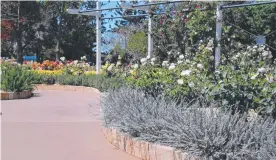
[(55, 125)]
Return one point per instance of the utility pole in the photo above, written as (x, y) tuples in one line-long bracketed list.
[(218, 35), (99, 37), (150, 39)]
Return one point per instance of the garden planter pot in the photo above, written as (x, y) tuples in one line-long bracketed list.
[(15, 95)]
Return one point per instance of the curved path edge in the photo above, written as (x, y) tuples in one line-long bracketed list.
[(65, 88), (140, 149), (144, 150)]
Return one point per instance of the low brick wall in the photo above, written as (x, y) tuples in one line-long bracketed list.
[(144, 150), (15, 95), (65, 88)]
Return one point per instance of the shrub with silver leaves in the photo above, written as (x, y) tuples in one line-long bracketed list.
[(213, 135)]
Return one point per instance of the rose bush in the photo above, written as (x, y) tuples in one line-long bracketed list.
[(248, 82)]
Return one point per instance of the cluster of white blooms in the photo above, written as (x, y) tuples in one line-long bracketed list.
[(191, 84), (181, 56), (62, 59), (165, 63), (152, 61), (83, 58), (110, 67), (180, 81), (186, 73), (179, 62), (118, 63), (172, 66), (199, 65), (75, 62), (135, 66), (143, 61), (261, 70)]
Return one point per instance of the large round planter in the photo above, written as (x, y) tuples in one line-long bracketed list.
[(15, 95)]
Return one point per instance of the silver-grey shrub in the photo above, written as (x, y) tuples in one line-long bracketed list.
[(209, 133)]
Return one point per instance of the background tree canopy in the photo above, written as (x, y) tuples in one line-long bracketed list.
[(45, 29)]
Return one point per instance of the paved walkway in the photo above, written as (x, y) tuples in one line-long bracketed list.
[(55, 125)]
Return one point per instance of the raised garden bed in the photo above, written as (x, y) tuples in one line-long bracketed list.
[(144, 150), (15, 95)]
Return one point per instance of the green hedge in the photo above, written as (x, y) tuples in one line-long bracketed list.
[(101, 82)]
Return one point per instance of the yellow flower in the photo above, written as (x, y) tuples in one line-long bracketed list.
[(49, 72)]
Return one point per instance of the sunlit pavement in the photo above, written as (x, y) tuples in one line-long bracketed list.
[(55, 125)]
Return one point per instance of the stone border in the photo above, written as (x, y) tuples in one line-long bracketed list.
[(144, 150), (66, 88), (15, 95)]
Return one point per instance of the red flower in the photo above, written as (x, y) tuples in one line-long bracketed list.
[(25, 62), (129, 65), (185, 20), (179, 14), (68, 61), (197, 7), (161, 21)]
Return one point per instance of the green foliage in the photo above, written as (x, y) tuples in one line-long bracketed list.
[(248, 82), (137, 43), (15, 79), (101, 82)]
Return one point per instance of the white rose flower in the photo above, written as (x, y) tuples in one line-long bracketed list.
[(261, 70), (180, 81), (187, 61), (165, 63), (62, 59), (172, 66), (181, 56), (135, 66), (143, 60), (110, 67), (254, 47), (148, 57), (265, 53), (186, 73), (179, 62), (153, 59), (118, 63), (254, 76), (200, 66), (191, 84), (178, 53), (152, 63), (75, 62)]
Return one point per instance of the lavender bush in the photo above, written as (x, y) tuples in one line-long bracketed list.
[(213, 135)]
